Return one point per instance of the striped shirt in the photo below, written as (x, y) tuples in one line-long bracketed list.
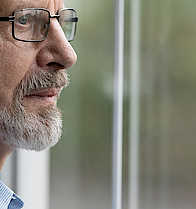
[(9, 200)]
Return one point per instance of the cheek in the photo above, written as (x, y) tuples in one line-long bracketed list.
[(16, 60)]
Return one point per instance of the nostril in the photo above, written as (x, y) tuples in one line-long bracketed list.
[(55, 64)]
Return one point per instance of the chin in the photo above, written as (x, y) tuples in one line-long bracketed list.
[(26, 130)]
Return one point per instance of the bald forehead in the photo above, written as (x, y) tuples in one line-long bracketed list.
[(8, 6)]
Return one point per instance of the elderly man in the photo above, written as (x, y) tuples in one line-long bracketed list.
[(35, 51)]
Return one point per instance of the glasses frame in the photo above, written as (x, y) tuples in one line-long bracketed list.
[(12, 19)]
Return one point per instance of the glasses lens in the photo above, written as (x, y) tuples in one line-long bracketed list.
[(31, 24), (68, 21)]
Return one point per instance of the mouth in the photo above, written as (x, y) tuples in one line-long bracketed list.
[(46, 96)]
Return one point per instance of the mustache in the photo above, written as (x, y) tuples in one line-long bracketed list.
[(42, 79)]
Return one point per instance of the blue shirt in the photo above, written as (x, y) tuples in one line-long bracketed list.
[(9, 200)]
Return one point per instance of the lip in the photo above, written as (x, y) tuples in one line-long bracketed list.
[(45, 95), (45, 92)]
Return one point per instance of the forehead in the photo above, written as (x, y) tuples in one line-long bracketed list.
[(8, 6)]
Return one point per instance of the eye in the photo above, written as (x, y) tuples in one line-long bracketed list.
[(23, 19)]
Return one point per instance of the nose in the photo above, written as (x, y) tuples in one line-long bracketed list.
[(55, 50)]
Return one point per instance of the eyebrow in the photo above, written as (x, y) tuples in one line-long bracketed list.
[(25, 5)]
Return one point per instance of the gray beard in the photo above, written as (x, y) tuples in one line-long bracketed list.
[(22, 128)]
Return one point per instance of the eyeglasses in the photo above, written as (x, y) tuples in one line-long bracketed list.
[(32, 25)]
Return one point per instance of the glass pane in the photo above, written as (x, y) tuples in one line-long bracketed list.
[(67, 24), (167, 110), (81, 162), (31, 24)]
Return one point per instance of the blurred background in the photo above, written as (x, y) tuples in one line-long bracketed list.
[(81, 163)]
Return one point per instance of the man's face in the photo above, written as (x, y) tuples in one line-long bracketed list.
[(31, 78)]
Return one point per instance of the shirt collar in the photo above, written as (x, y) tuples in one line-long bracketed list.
[(6, 195), (16, 202)]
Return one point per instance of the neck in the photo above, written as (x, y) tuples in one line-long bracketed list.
[(4, 152)]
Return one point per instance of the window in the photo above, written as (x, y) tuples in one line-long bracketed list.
[(159, 137)]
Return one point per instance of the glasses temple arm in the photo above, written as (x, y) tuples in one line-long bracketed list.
[(74, 19), (11, 18)]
